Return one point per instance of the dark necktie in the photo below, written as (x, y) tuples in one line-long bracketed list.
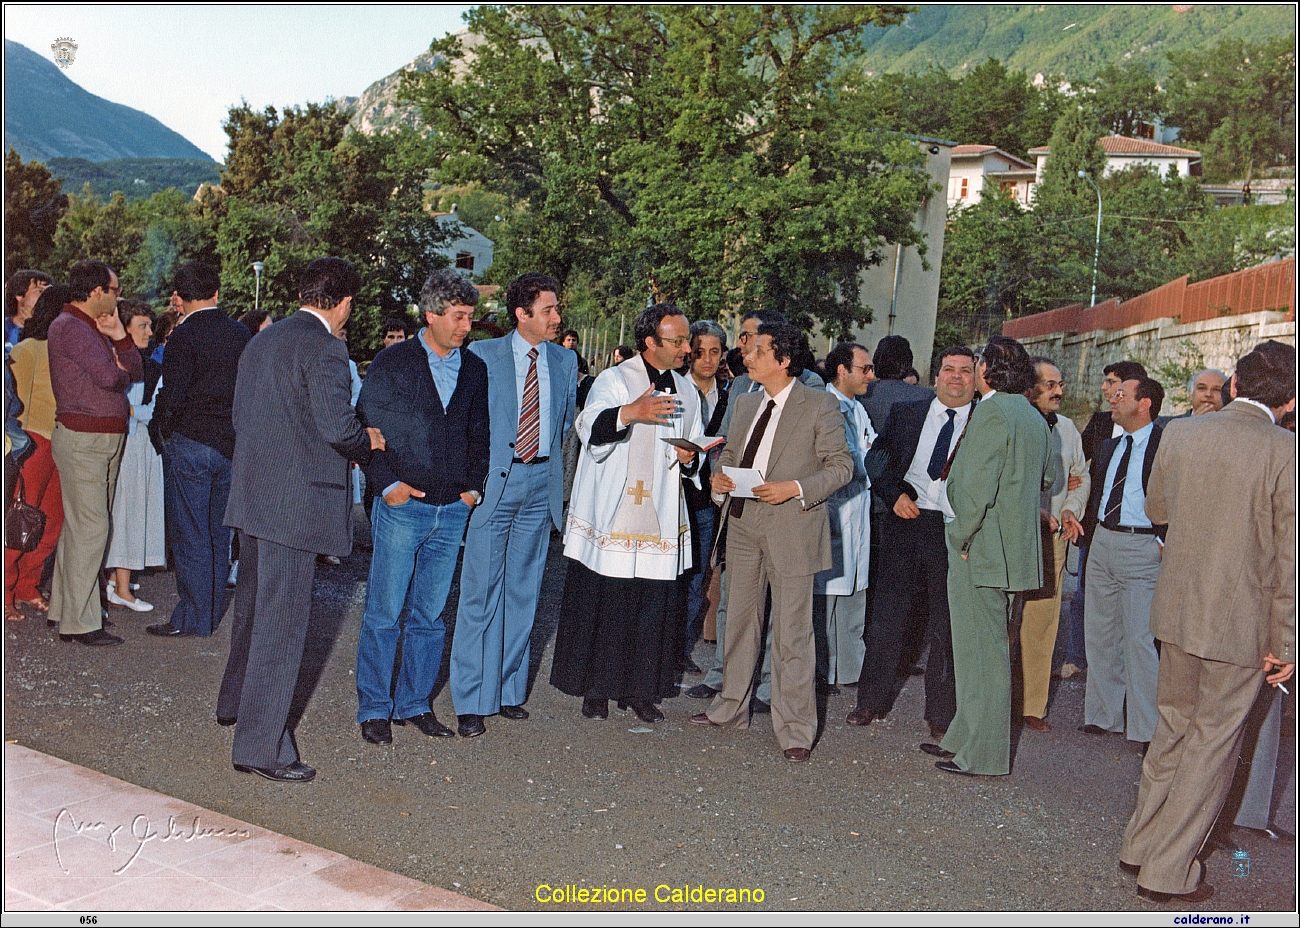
[(939, 456), (1110, 516), (751, 452), (530, 414)]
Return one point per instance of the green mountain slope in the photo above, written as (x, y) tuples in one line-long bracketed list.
[(48, 116), (1072, 41), (138, 178)]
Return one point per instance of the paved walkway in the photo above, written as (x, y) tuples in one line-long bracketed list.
[(78, 839)]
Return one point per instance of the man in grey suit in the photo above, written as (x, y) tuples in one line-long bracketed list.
[(295, 432), (1224, 613), (531, 389), (782, 537), (994, 549)]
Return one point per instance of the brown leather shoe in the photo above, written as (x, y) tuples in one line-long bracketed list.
[(936, 733), (860, 716), (797, 755), (701, 718), (1195, 897), (1036, 724)]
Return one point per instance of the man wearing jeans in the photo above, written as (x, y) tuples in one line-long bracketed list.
[(192, 425), (429, 396)]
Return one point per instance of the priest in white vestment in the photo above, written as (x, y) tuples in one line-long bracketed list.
[(627, 536), (840, 606)]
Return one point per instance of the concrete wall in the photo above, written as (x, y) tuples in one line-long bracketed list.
[(1216, 342), (917, 299)]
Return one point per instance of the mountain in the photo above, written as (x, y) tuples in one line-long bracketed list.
[(48, 116), (1072, 41), (138, 178)]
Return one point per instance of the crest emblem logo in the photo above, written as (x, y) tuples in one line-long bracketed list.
[(65, 52)]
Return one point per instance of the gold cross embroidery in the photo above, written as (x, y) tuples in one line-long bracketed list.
[(639, 491)]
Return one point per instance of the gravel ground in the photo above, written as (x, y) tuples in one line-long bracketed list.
[(867, 824)]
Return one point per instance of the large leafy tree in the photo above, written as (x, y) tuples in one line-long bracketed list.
[(699, 154), (1237, 101), (995, 105), (1122, 98), (34, 204), (298, 186)]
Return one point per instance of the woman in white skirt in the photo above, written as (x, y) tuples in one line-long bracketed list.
[(138, 539)]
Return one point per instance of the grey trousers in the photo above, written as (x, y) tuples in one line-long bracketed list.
[(88, 464), (839, 623), (1255, 811), (1122, 662)]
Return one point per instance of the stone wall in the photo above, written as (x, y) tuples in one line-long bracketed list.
[(1170, 351)]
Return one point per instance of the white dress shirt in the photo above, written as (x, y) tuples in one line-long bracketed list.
[(932, 494)]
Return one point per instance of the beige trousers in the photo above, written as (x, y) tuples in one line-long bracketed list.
[(1038, 638), (87, 463)]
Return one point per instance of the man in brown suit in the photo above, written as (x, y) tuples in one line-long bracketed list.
[(794, 436), (1226, 626)]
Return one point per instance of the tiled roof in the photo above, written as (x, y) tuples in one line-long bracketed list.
[(1122, 145), (972, 149)]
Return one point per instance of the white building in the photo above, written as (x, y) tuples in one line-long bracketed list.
[(1122, 152), (980, 169), (471, 253)]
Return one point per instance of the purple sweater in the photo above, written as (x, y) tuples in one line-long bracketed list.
[(89, 387)]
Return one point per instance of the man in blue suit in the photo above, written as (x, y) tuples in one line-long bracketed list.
[(531, 389)]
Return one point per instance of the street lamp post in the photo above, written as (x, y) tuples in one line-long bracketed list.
[(257, 292), (1096, 249)]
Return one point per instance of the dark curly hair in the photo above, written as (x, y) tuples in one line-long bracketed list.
[(1007, 367)]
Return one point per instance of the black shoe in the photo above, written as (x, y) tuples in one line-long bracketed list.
[(645, 710), (377, 731), (595, 708), (1091, 729), (758, 707), (106, 622), (164, 630), (428, 723), (1195, 897), (513, 713), (948, 766), (701, 691), (471, 726), (96, 639), (294, 773), (689, 666), (1130, 869), (226, 720), (935, 751)]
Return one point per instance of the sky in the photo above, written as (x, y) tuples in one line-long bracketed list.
[(187, 65)]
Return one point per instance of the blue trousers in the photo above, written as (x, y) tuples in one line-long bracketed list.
[(500, 582), (702, 527), (415, 549), (195, 499)]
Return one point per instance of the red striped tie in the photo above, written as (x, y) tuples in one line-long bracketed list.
[(530, 415)]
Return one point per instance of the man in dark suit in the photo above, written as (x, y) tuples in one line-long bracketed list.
[(429, 396), (893, 361), (794, 437), (994, 550), (531, 398), (918, 443), (192, 424), (295, 433), (1123, 562), (1224, 611)]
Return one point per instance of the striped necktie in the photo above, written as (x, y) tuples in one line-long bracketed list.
[(530, 414)]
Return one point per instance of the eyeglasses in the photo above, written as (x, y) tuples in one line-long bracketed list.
[(1118, 395), (1052, 384), (677, 342), (866, 368), (116, 291), (746, 336)]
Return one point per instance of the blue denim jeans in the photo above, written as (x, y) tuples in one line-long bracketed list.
[(195, 498), (415, 550)]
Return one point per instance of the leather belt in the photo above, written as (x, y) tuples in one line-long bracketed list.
[(1128, 529), (533, 461)]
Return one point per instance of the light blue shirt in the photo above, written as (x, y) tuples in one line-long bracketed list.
[(519, 345), (445, 371), (1132, 509)]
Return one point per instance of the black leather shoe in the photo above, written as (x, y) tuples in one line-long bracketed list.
[(377, 731), (1195, 897), (646, 711), (689, 666), (935, 751), (226, 721), (860, 715), (428, 723), (948, 766), (163, 630), (294, 773), (701, 691), (96, 639), (514, 713), (758, 707), (1091, 729), (595, 708), (471, 726), (1130, 869)]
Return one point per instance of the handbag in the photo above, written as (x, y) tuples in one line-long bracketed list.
[(24, 523)]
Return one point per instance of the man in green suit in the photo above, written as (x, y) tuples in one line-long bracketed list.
[(994, 550)]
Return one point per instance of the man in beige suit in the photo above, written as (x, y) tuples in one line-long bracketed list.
[(794, 437), (1226, 625)]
